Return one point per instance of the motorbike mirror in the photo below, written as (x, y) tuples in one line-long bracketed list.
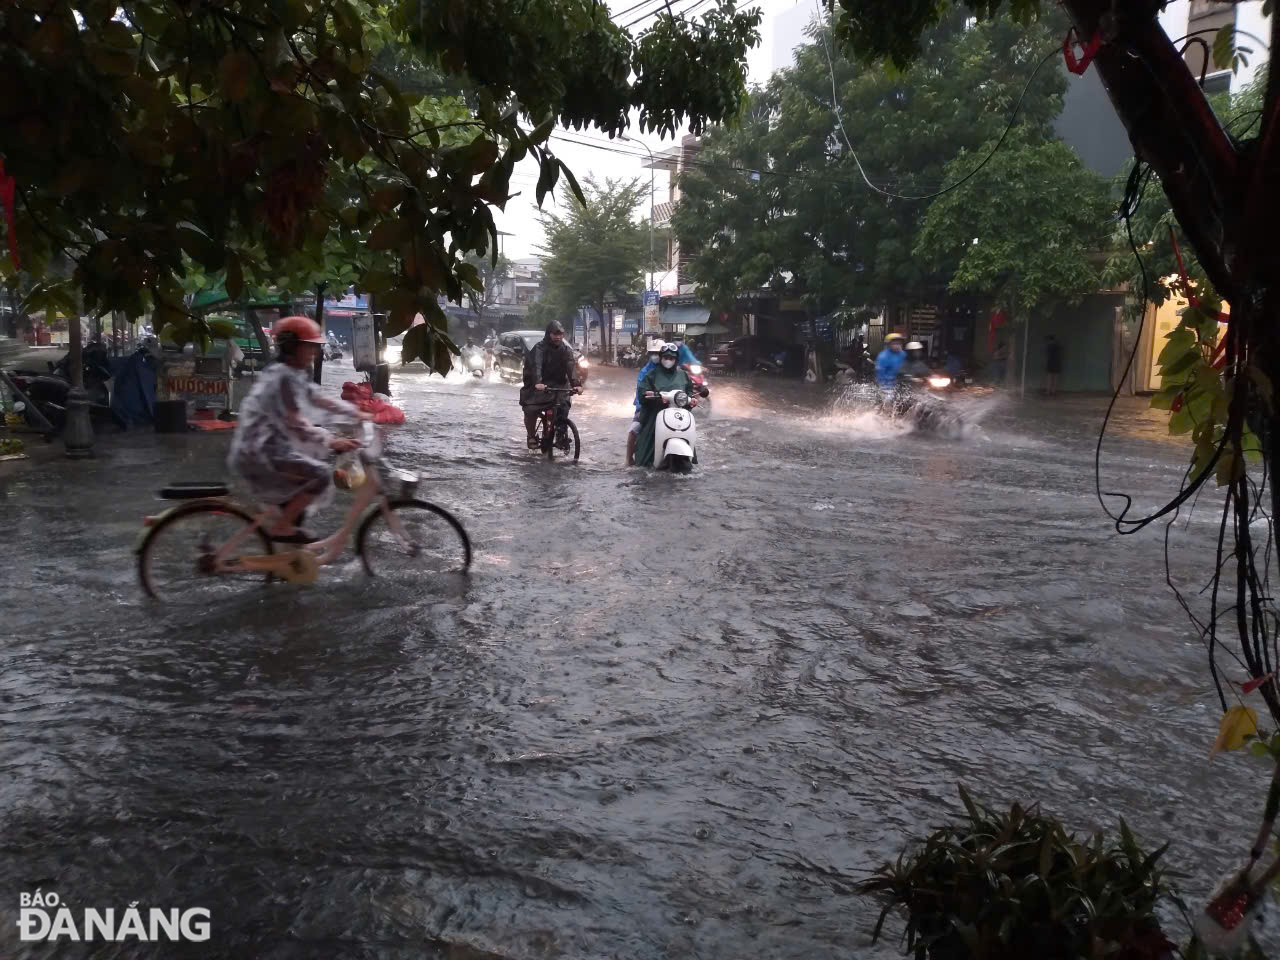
[(705, 393)]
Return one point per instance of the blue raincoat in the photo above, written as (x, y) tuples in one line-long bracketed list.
[(647, 369), (888, 365)]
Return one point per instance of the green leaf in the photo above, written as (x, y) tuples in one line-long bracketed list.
[(548, 173), (222, 329), (1181, 422)]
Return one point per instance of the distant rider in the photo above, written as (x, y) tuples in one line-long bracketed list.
[(550, 363), (655, 347), (916, 366), (889, 363)]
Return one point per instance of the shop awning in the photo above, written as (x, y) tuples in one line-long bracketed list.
[(687, 314), (715, 328)]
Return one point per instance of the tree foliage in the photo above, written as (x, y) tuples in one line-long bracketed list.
[(1025, 231), (493, 272), (272, 142), (777, 201), (595, 250)]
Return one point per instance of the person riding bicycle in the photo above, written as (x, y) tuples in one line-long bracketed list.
[(278, 449), (550, 363)]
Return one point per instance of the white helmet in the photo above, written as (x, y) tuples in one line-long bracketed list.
[(915, 345), (655, 346)]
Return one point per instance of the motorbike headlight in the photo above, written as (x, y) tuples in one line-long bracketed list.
[(582, 362), (939, 382), (695, 369)]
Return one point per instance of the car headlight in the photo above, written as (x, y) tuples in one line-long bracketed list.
[(582, 362), (695, 369), (939, 382)]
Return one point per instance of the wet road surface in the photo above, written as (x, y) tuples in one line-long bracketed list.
[(663, 717)]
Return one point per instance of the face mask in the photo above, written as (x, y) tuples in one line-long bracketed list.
[(668, 363)]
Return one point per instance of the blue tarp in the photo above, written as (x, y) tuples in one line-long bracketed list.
[(133, 397)]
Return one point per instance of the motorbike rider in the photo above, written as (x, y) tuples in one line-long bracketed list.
[(278, 449), (655, 349), (915, 366), (668, 375), (550, 363), (889, 363)]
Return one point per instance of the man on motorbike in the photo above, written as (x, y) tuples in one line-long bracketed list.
[(889, 363), (550, 363), (668, 375), (278, 449), (655, 348)]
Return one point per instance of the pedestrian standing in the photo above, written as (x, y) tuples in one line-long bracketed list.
[(999, 362), (1052, 365)]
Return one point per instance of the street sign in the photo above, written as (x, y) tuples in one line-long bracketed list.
[(364, 346), (651, 320), (200, 392)]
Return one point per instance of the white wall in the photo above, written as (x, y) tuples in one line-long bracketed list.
[(1249, 19)]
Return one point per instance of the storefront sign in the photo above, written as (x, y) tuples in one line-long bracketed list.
[(206, 393), (651, 321), (364, 347)]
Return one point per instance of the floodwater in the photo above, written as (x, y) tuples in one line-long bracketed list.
[(663, 717)]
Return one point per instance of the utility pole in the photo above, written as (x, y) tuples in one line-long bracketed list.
[(77, 434), (652, 167)]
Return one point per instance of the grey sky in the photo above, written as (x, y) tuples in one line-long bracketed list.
[(592, 153)]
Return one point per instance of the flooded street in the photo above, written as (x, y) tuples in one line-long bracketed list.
[(663, 717)]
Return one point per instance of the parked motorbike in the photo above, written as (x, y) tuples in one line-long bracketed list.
[(675, 434), (48, 391), (863, 371)]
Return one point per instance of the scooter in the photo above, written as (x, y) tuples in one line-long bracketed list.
[(675, 433), (698, 377), (473, 361)]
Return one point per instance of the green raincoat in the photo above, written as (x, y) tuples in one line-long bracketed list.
[(659, 381)]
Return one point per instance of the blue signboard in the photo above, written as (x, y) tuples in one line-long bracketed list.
[(630, 324)]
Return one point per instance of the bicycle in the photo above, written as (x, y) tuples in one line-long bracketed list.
[(206, 541), (554, 426)]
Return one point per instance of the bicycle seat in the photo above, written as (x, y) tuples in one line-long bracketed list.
[(194, 491)]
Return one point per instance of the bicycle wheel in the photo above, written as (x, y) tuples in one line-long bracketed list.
[(421, 538), (175, 559), (567, 443)]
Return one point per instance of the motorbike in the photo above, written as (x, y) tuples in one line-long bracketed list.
[(698, 377), (864, 369), (922, 399), (333, 349), (675, 433), (473, 362), (48, 391), (630, 358)]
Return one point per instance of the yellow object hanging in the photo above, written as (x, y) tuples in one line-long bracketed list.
[(1237, 723)]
